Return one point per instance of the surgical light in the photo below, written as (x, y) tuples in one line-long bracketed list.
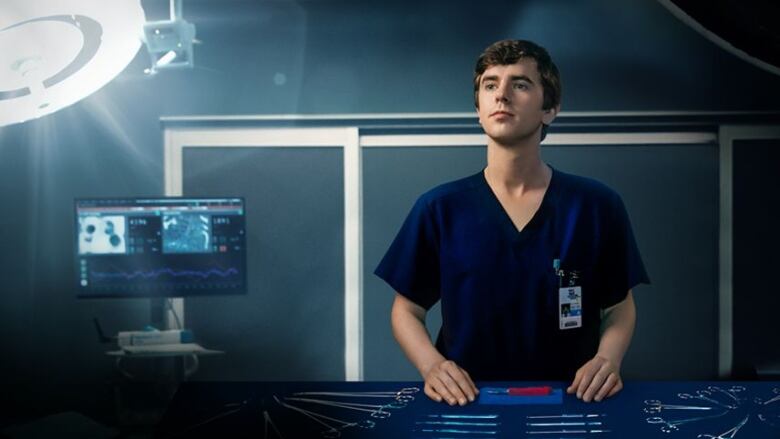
[(54, 53)]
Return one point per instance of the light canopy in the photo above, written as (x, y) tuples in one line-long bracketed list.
[(54, 53)]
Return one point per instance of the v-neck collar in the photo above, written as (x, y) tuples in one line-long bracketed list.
[(538, 217)]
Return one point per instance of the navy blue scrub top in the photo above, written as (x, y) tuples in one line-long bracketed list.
[(497, 285)]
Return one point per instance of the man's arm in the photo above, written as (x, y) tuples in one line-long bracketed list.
[(600, 377), (444, 380)]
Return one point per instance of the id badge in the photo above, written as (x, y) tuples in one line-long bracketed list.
[(570, 307)]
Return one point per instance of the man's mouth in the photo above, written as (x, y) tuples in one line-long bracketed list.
[(501, 113)]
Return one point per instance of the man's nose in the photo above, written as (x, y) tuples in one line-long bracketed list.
[(502, 95)]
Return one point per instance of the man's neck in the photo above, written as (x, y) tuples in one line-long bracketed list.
[(516, 169)]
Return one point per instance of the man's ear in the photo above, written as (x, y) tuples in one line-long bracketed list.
[(550, 114)]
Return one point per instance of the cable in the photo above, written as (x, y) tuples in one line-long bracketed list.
[(169, 302)]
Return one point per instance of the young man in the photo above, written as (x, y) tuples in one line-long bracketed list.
[(534, 267)]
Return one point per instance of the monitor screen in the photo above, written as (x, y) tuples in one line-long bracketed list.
[(160, 247)]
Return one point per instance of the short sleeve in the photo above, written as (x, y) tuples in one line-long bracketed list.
[(411, 264), (620, 264)]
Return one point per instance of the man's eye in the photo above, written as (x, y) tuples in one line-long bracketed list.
[(490, 86), (521, 86)]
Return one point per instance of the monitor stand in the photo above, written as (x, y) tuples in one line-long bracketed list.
[(161, 312), (158, 307)]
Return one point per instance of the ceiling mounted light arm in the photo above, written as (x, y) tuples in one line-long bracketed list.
[(176, 10), (170, 42)]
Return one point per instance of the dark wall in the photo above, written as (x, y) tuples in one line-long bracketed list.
[(290, 324), (336, 57), (756, 240)]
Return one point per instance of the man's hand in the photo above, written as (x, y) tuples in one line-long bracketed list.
[(446, 381), (599, 378)]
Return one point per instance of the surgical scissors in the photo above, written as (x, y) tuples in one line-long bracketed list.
[(404, 395), (776, 391), (656, 406), (704, 395), (767, 419), (332, 431), (730, 392), (669, 426), (376, 411), (729, 434)]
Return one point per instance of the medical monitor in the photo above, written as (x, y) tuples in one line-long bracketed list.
[(160, 247)]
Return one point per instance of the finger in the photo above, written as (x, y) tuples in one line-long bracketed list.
[(587, 377), (456, 383), (444, 386), (606, 388), (474, 388), (465, 386), (577, 378), (618, 387), (596, 383), (431, 392)]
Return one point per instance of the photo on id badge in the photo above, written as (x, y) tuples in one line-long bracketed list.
[(570, 307)]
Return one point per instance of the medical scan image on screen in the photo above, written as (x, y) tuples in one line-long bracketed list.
[(167, 247)]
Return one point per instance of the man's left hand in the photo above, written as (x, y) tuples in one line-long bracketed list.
[(599, 378)]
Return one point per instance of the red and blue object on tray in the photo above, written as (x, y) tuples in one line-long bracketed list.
[(520, 395)]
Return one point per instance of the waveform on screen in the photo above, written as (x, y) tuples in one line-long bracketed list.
[(154, 274)]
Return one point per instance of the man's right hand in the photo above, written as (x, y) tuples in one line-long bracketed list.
[(446, 381)]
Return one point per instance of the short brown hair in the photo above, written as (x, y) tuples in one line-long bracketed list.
[(507, 52)]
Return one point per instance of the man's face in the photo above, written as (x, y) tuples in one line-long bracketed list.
[(510, 102)]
